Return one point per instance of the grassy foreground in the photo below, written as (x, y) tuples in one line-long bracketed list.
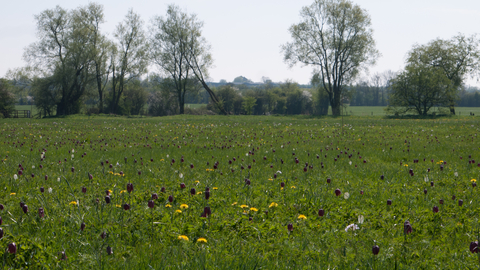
[(216, 192)]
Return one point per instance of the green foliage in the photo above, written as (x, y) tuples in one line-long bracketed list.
[(353, 156), (7, 99), (248, 104), (419, 88), (335, 38)]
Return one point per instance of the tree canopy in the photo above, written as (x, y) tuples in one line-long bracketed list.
[(335, 37)]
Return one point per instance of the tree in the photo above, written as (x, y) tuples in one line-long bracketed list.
[(419, 88), (456, 58), (180, 51), (336, 39), (7, 99), (129, 59), (101, 47), (248, 104), (64, 54)]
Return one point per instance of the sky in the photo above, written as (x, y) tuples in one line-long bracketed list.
[(246, 35)]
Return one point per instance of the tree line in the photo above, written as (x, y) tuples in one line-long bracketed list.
[(74, 63)]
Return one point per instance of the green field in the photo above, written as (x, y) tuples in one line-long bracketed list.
[(238, 192)]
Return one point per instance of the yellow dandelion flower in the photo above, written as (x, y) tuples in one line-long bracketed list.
[(406, 165), (473, 180), (110, 191), (116, 174), (123, 191), (281, 188), (235, 203), (183, 237), (178, 211), (273, 204), (215, 188), (197, 182), (13, 194), (254, 209), (243, 206), (118, 205), (162, 159), (168, 205), (184, 206), (73, 202), (302, 217), (110, 172), (270, 179), (293, 187), (199, 193), (201, 240)]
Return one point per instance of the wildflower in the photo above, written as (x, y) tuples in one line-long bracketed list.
[(243, 206), (183, 237), (151, 204), (360, 219), (375, 250), (15, 177), (253, 209), (235, 203), (321, 212), (199, 193), (474, 247), (406, 165), (122, 191), (201, 240), (183, 206), (353, 227), (290, 227), (407, 227), (346, 195), (13, 194), (197, 182), (178, 211), (473, 180), (12, 248), (270, 179), (50, 190), (293, 187), (302, 217), (215, 188), (73, 202), (273, 204), (338, 192), (168, 205)]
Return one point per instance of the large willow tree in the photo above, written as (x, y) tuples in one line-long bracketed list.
[(334, 37)]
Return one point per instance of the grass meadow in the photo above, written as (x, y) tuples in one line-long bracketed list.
[(240, 192)]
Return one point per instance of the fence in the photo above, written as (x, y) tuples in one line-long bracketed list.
[(17, 114)]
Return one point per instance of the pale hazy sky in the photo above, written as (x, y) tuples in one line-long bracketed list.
[(246, 35)]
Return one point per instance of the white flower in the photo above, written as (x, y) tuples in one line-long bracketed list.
[(58, 179), (73, 156), (353, 227), (118, 164), (246, 154), (350, 162), (33, 166), (346, 195), (360, 219), (426, 178), (167, 156), (49, 190), (181, 175), (15, 177), (279, 172), (73, 151), (456, 174)]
